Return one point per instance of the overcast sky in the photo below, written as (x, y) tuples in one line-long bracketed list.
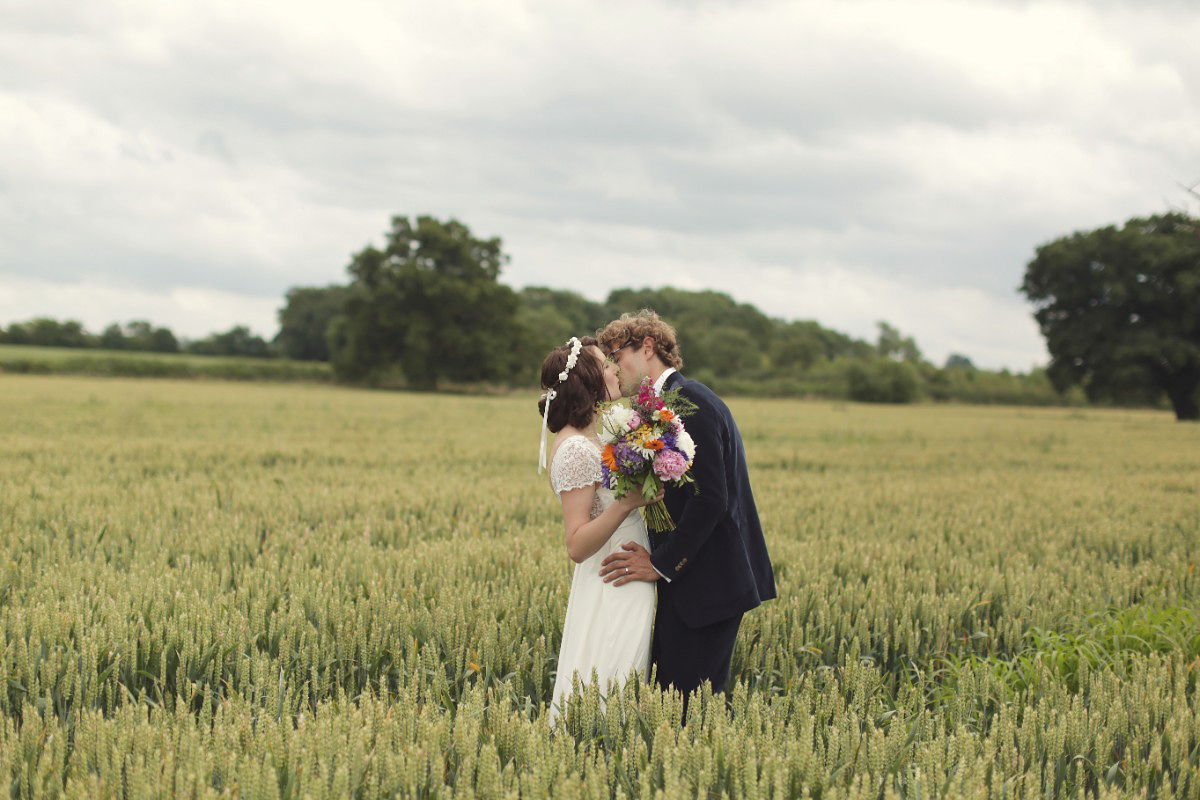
[(186, 162)]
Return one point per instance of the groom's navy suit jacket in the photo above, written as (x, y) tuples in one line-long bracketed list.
[(716, 558)]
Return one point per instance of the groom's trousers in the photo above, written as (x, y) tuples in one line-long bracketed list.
[(686, 657)]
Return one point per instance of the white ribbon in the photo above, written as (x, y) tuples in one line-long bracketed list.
[(550, 395)]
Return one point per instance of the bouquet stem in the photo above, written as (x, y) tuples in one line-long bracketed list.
[(658, 519)]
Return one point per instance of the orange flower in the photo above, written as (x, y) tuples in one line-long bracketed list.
[(655, 444), (666, 415), (608, 458)]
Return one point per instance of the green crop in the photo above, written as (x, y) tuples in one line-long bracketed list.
[(256, 590)]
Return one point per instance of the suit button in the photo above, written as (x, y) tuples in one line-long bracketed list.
[(679, 566)]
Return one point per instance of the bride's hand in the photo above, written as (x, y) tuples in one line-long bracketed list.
[(637, 500)]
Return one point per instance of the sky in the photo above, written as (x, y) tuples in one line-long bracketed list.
[(847, 161)]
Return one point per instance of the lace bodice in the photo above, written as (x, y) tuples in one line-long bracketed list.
[(576, 464)]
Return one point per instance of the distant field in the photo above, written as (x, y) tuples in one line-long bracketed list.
[(215, 589), (22, 359)]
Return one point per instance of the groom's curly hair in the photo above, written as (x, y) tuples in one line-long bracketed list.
[(577, 396), (636, 327)]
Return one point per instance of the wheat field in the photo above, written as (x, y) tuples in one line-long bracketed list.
[(300, 591)]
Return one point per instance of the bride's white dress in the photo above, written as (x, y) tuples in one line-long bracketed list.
[(608, 627)]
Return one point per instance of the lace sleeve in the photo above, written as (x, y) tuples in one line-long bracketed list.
[(576, 465)]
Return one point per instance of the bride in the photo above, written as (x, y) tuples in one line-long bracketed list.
[(607, 628)]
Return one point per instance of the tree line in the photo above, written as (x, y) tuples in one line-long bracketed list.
[(135, 336), (427, 309), (1120, 309)]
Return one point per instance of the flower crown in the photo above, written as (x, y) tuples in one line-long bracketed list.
[(550, 394), (572, 357)]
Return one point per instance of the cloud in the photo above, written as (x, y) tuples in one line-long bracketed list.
[(877, 154)]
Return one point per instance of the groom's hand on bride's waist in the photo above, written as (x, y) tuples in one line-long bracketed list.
[(630, 563)]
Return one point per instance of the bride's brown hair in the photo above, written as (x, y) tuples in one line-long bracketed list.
[(577, 396)]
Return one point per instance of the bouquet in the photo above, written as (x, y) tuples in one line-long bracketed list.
[(645, 447)]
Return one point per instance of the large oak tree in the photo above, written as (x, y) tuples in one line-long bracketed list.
[(429, 303), (1120, 310)]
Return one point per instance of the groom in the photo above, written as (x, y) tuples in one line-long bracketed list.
[(714, 566)]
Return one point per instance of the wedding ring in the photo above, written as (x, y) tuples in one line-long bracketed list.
[(627, 570)]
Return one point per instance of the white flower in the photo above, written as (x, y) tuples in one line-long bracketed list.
[(572, 358), (683, 440), (614, 422)]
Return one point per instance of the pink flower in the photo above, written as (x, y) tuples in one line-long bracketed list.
[(635, 422), (670, 465)]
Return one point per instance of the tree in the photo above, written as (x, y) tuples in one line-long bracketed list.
[(304, 321), (141, 335), (892, 344), (883, 380), (547, 318), (431, 304), (138, 333), (113, 338), (723, 338), (958, 361), (237, 341), (717, 335), (722, 350), (162, 341), (47, 332), (1120, 310), (691, 312), (797, 345)]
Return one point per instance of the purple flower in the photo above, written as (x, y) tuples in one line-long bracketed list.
[(629, 458)]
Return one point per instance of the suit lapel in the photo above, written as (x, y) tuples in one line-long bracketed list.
[(673, 381)]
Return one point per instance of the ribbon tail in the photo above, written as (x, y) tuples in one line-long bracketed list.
[(542, 447)]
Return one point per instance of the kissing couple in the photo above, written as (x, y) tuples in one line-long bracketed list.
[(673, 600)]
